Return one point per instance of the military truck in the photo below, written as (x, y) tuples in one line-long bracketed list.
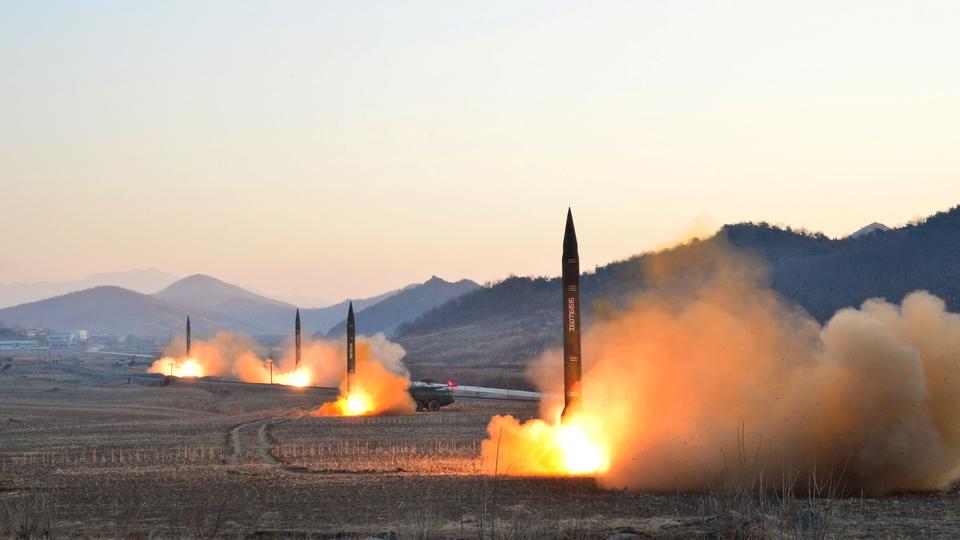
[(430, 396)]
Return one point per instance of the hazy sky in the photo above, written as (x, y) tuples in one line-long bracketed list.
[(334, 149)]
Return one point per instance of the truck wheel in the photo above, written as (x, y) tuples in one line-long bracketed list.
[(420, 406), (434, 405)]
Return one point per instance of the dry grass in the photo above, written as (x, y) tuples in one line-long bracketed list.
[(26, 517), (747, 503), (436, 456), (112, 457)]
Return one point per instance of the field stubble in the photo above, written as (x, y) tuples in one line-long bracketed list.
[(83, 454)]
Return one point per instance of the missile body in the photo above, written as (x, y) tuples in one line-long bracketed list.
[(571, 320), (188, 335), (297, 339), (351, 346)]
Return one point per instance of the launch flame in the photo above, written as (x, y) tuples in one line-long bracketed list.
[(298, 377), (358, 403), (178, 367), (374, 390), (539, 448)]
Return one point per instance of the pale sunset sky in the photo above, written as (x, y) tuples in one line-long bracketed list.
[(341, 149)]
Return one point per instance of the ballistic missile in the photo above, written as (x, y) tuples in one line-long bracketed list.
[(351, 346), (297, 339), (188, 335), (571, 320)]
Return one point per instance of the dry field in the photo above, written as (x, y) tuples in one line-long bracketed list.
[(85, 454)]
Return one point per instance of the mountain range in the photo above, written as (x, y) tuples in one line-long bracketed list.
[(512, 321), (466, 326), (143, 281), (212, 305)]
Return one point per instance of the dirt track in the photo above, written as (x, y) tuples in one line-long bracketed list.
[(262, 446)]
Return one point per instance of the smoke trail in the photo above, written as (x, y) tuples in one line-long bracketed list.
[(709, 369)]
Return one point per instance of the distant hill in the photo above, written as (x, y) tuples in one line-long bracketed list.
[(869, 229), (407, 305), (143, 281), (104, 309), (824, 275), (516, 319), (231, 306)]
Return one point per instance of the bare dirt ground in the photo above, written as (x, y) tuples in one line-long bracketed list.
[(85, 454)]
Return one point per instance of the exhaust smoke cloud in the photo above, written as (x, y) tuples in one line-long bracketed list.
[(381, 380), (377, 387), (709, 368)]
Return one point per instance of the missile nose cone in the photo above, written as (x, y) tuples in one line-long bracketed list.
[(350, 311), (569, 236)]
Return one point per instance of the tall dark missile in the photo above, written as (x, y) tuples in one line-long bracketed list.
[(571, 320), (296, 331), (188, 335), (351, 345)]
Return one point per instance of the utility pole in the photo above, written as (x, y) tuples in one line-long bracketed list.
[(270, 361)]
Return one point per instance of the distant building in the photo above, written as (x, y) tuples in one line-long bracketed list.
[(67, 338), (11, 345), (101, 338), (59, 338)]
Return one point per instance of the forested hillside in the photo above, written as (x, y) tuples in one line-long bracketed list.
[(511, 322)]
